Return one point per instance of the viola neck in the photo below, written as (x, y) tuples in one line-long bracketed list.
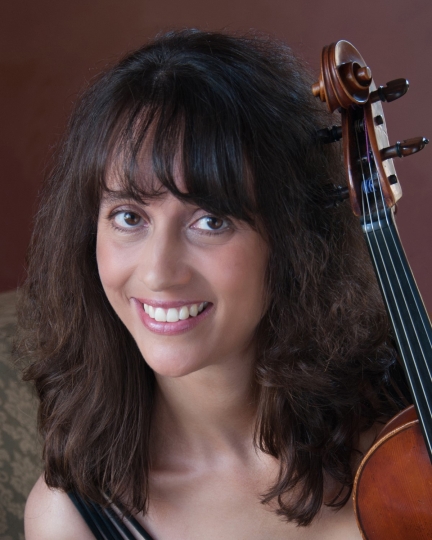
[(412, 329)]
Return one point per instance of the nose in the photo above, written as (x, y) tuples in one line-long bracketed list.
[(164, 264)]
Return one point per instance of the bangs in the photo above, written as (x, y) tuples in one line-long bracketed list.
[(183, 136)]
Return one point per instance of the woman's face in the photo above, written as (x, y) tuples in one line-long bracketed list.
[(188, 286)]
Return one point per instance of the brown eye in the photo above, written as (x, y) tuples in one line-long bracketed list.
[(214, 222), (131, 219), (127, 219), (211, 223)]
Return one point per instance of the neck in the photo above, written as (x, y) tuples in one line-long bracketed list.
[(205, 415)]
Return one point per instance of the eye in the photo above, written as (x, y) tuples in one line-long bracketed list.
[(211, 223), (127, 219)]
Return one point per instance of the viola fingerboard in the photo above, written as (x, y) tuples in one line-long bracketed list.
[(408, 316)]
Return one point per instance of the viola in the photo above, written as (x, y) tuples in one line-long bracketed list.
[(392, 491)]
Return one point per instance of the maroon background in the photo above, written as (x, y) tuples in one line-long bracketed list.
[(51, 48)]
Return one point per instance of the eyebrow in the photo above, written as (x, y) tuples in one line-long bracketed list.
[(118, 195)]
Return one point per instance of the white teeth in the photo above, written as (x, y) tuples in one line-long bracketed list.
[(174, 314), (160, 315), (184, 313)]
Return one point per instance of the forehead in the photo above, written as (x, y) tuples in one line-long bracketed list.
[(139, 179), (148, 157)]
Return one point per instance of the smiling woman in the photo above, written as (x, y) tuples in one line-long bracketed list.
[(169, 268), (206, 338)]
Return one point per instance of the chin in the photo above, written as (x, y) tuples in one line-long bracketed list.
[(173, 369), (171, 364)]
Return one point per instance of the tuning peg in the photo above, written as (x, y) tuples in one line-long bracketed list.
[(393, 90), (329, 135), (379, 120), (335, 195), (405, 148)]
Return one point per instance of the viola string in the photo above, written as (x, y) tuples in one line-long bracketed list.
[(382, 201), (396, 248), (366, 215), (373, 232), (380, 226), (424, 354), (372, 251)]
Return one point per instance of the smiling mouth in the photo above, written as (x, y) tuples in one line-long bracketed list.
[(173, 314)]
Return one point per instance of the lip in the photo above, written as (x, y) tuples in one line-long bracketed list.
[(167, 305), (170, 328)]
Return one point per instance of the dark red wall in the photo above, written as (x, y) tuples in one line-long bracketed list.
[(50, 48)]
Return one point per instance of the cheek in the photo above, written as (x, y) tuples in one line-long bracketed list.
[(114, 268), (239, 275)]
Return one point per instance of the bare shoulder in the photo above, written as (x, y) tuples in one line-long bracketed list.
[(51, 515)]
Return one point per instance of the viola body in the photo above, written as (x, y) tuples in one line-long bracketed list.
[(393, 487)]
